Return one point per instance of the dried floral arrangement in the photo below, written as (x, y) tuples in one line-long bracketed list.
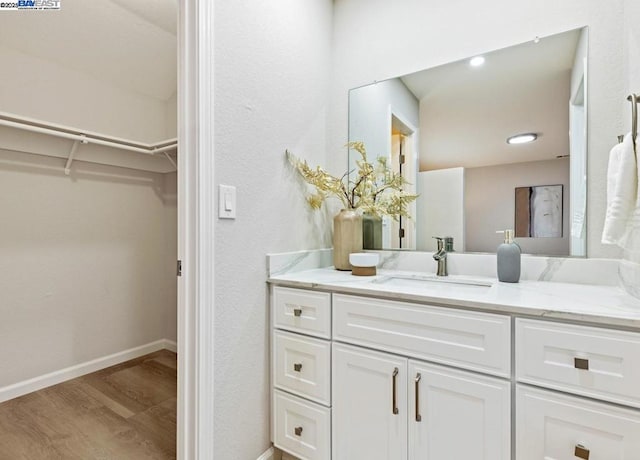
[(376, 189)]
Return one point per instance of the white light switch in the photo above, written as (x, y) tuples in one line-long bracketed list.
[(226, 202)]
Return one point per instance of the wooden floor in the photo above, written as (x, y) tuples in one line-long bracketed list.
[(127, 411)]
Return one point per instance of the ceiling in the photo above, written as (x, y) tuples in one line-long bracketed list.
[(131, 44), (467, 112)]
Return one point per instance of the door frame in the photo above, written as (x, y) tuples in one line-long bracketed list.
[(196, 204)]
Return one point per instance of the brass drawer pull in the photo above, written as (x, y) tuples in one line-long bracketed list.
[(581, 363), (417, 383), (394, 403), (298, 431), (297, 367), (581, 452), (297, 312)]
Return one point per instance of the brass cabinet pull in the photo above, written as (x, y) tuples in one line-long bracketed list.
[(393, 391), (581, 363), (297, 312), (417, 383), (298, 431), (297, 367), (581, 452)]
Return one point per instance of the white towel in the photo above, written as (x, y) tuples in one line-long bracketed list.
[(622, 194), (631, 239)]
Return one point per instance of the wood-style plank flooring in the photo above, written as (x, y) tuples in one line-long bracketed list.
[(123, 412)]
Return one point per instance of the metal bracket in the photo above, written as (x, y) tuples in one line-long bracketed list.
[(166, 154), (72, 154)]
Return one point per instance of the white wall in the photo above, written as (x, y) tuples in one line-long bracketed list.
[(171, 116), (631, 271), (83, 266), (44, 90), (490, 204), (272, 64), (442, 216), (170, 251), (368, 47)]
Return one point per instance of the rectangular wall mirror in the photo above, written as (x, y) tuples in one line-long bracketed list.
[(446, 129)]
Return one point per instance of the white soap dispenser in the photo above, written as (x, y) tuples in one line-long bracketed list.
[(508, 259)]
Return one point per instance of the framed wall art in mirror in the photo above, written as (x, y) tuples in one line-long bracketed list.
[(446, 130)]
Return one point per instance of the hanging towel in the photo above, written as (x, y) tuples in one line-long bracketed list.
[(622, 191), (631, 239)]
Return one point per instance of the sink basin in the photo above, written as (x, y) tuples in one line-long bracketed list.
[(432, 282)]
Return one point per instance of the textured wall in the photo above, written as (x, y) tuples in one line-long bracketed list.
[(368, 47), (630, 270), (83, 265), (272, 64)]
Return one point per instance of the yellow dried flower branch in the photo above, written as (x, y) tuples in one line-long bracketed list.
[(376, 189)]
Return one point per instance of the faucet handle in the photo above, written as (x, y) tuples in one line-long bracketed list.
[(448, 244), (440, 242)]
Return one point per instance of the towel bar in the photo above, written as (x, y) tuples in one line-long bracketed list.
[(634, 99)]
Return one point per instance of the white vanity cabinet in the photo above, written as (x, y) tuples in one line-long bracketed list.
[(301, 372), (602, 364), (554, 426), (386, 400), (370, 410), (390, 407), (455, 414), (364, 378)]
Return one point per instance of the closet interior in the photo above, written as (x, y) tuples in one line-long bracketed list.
[(88, 154)]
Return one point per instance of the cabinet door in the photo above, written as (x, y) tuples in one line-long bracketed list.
[(457, 415), (369, 413), (560, 427)]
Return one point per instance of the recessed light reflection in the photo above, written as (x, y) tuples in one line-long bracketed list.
[(522, 138), (476, 61)]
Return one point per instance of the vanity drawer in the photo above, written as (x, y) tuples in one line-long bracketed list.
[(554, 426), (472, 340), (307, 312), (301, 428), (303, 366), (599, 363)]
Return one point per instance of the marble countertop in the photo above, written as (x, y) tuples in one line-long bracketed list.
[(603, 305)]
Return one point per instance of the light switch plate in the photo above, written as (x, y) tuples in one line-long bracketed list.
[(226, 202)]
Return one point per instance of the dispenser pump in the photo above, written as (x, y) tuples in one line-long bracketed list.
[(508, 235)]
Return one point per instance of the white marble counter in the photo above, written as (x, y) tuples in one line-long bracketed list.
[(601, 304)]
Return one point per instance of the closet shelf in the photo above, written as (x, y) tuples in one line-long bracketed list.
[(80, 137)]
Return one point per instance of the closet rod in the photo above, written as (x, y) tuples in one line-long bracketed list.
[(37, 127)]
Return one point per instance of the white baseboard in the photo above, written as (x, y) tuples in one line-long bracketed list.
[(37, 383), (276, 454), (267, 455), (170, 345)]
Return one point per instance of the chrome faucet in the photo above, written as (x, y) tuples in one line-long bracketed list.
[(445, 244)]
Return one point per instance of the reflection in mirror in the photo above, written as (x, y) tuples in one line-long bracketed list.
[(446, 129), (539, 212)]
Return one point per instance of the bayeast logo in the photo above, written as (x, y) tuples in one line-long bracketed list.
[(31, 5)]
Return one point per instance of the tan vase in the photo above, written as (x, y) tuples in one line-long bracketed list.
[(347, 237)]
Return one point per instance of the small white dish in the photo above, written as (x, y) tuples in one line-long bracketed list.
[(363, 259)]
